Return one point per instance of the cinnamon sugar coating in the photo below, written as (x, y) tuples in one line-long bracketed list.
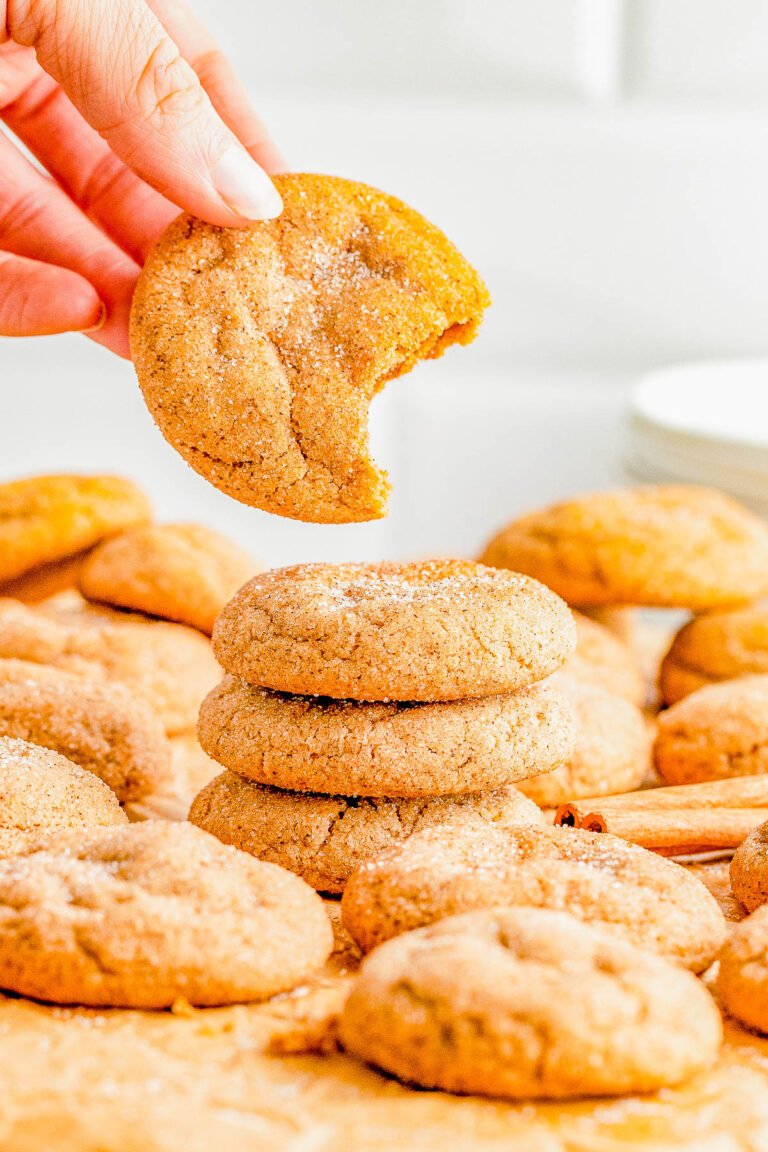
[(742, 978), (749, 869), (714, 647), (259, 349)]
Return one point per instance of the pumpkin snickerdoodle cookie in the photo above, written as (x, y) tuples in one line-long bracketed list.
[(435, 630), (742, 978), (169, 665), (713, 647), (259, 349), (48, 518), (436, 873), (41, 793), (316, 744), (666, 546), (716, 732), (749, 869), (479, 1003), (181, 572), (325, 838), (611, 751), (141, 915), (602, 658)]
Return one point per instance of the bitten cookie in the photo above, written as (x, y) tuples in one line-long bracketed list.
[(103, 727), (742, 979), (139, 916), (47, 518), (259, 349), (668, 546), (315, 744), (597, 877), (713, 647), (601, 658), (480, 1004), (716, 732), (170, 666), (612, 747), (324, 839), (436, 630), (749, 869), (181, 572), (42, 793)]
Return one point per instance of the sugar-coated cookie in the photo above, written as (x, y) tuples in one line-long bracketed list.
[(324, 839), (434, 630), (259, 349), (441, 872), (713, 647), (180, 572), (718, 731), (749, 869), (612, 746), (142, 915), (742, 978), (602, 658), (315, 744), (667, 546), (481, 1003)]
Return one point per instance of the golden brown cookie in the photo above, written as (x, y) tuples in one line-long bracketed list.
[(601, 658), (716, 732), (435, 630), (169, 665), (621, 622), (181, 572), (47, 518), (142, 915), (103, 727), (749, 869), (259, 349), (324, 839), (597, 877), (42, 583), (715, 646), (666, 546), (315, 744), (481, 1003), (41, 793), (742, 978), (612, 748)]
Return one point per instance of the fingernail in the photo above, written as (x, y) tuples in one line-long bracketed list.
[(244, 187), (100, 322)]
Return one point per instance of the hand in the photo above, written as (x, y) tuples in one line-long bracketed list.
[(133, 111)]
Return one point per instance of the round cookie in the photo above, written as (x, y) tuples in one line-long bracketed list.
[(324, 839), (645, 898), (259, 349), (713, 647), (142, 915), (43, 583), (311, 744), (435, 630), (48, 518), (742, 978), (181, 572), (620, 621), (479, 1004), (612, 747), (41, 793), (749, 869), (716, 732), (169, 665), (103, 727), (665, 546), (601, 658)]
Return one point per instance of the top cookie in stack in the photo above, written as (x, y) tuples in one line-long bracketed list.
[(412, 686)]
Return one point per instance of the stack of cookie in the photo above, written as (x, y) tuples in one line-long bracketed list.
[(364, 702)]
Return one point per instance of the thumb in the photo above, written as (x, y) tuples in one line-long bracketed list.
[(128, 79)]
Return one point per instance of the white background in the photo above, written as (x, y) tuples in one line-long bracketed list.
[(603, 164)]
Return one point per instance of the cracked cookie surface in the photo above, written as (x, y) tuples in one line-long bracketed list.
[(427, 631), (316, 744), (180, 572), (142, 915), (749, 869), (483, 1003), (324, 839), (714, 647), (259, 349), (666, 546), (718, 731), (597, 877)]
